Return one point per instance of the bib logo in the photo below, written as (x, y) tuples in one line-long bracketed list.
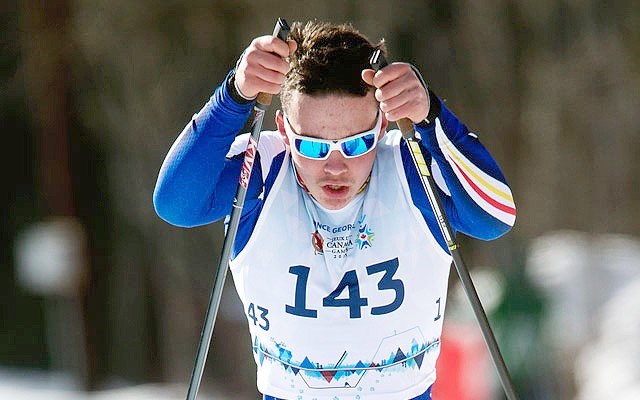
[(337, 242), (365, 234), (317, 242)]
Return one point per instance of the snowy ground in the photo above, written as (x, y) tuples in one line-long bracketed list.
[(593, 283), (32, 385)]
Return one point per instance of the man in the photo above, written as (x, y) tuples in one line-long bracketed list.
[(339, 261)]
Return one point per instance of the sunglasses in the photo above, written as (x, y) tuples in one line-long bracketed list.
[(319, 149)]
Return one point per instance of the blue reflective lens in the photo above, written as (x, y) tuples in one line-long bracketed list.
[(356, 147), (312, 149)]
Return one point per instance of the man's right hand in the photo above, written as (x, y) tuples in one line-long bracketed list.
[(263, 67)]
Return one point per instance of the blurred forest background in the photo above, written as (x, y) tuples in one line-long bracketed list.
[(94, 92)]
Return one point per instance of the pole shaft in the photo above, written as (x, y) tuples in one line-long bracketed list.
[(378, 62), (223, 266), (263, 100), (463, 272), (485, 327)]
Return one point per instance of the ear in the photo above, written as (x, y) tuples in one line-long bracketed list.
[(280, 125), (385, 124)]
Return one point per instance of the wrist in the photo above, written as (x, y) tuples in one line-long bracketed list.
[(434, 110), (235, 92), (433, 101)]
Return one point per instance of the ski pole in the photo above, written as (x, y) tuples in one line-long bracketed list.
[(262, 102), (378, 62)]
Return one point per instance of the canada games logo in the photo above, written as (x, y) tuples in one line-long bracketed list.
[(365, 234)]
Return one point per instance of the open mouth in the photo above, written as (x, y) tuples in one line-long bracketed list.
[(335, 190)]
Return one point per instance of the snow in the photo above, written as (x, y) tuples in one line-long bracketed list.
[(40, 385)]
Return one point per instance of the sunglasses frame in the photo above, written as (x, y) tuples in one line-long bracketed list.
[(333, 144)]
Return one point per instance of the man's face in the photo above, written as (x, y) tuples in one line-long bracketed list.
[(335, 181)]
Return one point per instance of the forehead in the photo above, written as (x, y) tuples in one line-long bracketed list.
[(331, 116)]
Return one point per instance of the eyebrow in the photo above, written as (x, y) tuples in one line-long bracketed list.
[(331, 140)]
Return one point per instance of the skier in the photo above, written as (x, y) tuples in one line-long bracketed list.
[(338, 261)]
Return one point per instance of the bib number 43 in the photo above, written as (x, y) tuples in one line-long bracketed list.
[(349, 283)]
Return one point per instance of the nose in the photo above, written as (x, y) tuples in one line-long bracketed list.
[(336, 164)]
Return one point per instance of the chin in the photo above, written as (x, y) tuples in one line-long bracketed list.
[(334, 204)]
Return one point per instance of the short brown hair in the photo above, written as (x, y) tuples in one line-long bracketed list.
[(328, 60)]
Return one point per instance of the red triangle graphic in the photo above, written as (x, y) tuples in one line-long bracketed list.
[(328, 375)]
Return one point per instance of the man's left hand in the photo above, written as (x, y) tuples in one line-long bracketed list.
[(399, 91)]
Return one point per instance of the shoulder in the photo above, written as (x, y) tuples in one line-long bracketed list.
[(389, 150), (390, 140), (269, 145)]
